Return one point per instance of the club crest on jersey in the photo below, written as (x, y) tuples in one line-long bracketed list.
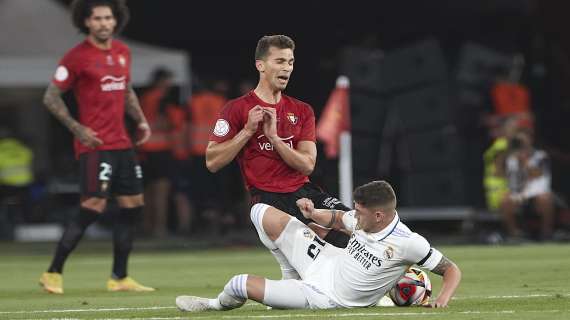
[(122, 60), (292, 117), (307, 233), (389, 253)]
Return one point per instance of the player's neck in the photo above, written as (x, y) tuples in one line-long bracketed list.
[(266, 94), (103, 45), (382, 225)]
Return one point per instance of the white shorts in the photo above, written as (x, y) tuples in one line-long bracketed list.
[(313, 259)]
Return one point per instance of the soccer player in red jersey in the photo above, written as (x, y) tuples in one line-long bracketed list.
[(98, 72), (272, 136)]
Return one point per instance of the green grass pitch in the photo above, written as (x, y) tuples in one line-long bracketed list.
[(509, 282)]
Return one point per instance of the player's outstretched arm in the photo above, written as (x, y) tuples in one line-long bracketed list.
[(133, 109), (218, 155), (54, 103), (451, 278), (323, 217)]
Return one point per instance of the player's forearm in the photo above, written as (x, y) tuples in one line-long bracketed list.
[(328, 218), (54, 103), (451, 279), (300, 161), (218, 155), (133, 107)]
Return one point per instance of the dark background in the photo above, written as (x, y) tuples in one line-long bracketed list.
[(221, 35)]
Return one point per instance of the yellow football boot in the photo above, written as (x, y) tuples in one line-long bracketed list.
[(127, 284), (52, 282)]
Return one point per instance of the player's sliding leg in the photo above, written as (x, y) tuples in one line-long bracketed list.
[(52, 280), (275, 223), (282, 294)]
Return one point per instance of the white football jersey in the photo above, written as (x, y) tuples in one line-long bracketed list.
[(371, 263)]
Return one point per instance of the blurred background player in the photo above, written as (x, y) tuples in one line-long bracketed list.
[(98, 72)]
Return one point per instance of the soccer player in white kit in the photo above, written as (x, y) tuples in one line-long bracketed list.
[(380, 250)]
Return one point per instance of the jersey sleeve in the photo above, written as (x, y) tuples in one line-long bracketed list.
[(129, 63), (66, 72), (349, 220), (308, 129), (421, 253), (227, 125)]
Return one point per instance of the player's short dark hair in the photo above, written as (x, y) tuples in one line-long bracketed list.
[(375, 194), (82, 9), (278, 41)]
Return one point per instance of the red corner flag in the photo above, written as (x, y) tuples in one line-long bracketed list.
[(335, 118)]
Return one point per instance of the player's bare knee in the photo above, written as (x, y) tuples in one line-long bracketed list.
[(133, 201), (94, 203), (256, 288), (274, 222)]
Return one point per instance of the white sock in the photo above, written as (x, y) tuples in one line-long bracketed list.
[(215, 304), (233, 296)]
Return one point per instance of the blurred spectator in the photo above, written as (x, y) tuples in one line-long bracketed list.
[(181, 178), (510, 98), (494, 179), (16, 176), (156, 153), (528, 173), (204, 107)]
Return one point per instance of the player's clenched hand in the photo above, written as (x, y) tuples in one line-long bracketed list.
[(254, 116), (87, 136), (270, 123), (144, 133), (306, 206)]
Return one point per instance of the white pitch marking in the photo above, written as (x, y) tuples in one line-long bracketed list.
[(253, 303)]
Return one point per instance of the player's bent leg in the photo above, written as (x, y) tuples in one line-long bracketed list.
[(271, 221), (263, 215), (52, 281), (284, 294), (234, 295)]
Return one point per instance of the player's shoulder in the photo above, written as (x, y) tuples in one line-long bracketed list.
[(78, 49), (401, 230), (118, 44), (244, 101), (296, 102)]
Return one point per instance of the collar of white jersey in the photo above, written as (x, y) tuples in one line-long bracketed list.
[(382, 234)]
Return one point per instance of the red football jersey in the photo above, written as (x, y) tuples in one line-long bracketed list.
[(262, 166), (99, 81)]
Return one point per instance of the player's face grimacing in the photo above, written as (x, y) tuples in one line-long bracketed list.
[(101, 23), (278, 67), (365, 217)]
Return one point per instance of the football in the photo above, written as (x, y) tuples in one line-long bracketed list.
[(414, 288)]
